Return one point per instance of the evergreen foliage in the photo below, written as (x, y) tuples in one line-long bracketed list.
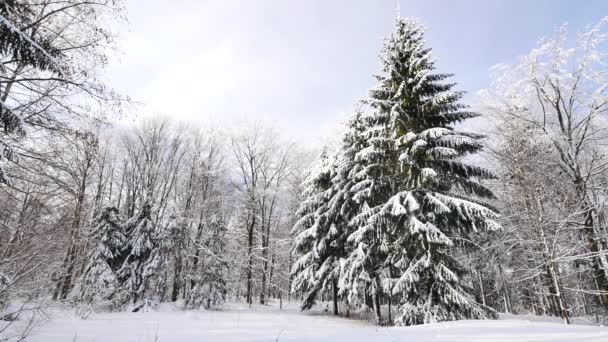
[(144, 258), (99, 282), (418, 189), (415, 200), (309, 240), (20, 44), (208, 283)]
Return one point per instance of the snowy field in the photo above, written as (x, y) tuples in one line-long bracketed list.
[(239, 323)]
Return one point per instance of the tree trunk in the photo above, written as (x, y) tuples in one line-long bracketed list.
[(65, 283), (290, 276), (250, 261), (599, 273), (507, 297), (271, 290), (335, 296), (481, 288), (176, 278), (390, 314), (560, 299), (377, 306), (552, 297), (347, 308), (195, 260), (369, 300)]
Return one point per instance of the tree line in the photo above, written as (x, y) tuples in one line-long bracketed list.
[(123, 218)]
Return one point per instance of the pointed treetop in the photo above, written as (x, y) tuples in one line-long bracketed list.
[(398, 9)]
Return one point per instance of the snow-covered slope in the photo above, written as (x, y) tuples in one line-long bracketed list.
[(271, 324)]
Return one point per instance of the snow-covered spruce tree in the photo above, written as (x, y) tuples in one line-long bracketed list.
[(157, 266), (209, 281), (141, 271), (419, 196), (326, 212), (99, 283), (341, 208), (346, 182), (308, 241)]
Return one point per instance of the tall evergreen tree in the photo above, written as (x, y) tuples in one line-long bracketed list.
[(417, 192), (140, 271), (341, 209), (157, 265), (99, 282), (309, 242), (324, 220), (209, 281)]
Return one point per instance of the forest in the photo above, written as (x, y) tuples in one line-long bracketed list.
[(422, 209)]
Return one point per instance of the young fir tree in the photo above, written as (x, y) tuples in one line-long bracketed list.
[(417, 192), (139, 273), (324, 224), (209, 282), (341, 208), (157, 265), (98, 282), (325, 219), (309, 241)]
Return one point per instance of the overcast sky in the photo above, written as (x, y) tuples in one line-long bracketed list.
[(302, 64)]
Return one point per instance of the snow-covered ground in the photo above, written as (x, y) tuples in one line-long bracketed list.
[(239, 323)]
